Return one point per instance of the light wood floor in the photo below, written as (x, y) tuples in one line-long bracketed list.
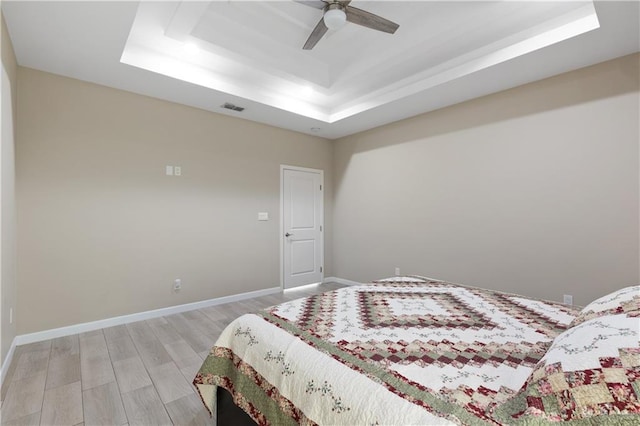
[(134, 374)]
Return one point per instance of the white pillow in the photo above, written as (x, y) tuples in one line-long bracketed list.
[(623, 301), (590, 375)]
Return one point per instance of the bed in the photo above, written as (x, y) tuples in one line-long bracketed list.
[(413, 350)]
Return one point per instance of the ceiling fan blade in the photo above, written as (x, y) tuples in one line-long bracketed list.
[(316, 4), (317, 33), (321, 4), (369, 20)]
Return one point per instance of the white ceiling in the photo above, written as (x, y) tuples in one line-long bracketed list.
[(249, 53)]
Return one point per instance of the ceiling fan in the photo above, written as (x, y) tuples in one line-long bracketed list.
[(337, 12)]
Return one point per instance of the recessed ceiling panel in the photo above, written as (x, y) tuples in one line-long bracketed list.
[(253, 49), (206, 53), (262, 35)]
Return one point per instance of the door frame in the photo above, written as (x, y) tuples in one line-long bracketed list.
[(284, 167)]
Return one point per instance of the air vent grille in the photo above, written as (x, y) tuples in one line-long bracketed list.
[(228, 105)]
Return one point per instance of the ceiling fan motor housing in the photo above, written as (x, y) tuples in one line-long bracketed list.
[(337, 13), (334, 16)]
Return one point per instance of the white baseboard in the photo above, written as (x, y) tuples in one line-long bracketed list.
[(39, 336), (24, 339), (340, 281), (7, 362)]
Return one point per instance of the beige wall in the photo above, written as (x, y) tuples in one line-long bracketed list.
[(103, 232), (7, 193), (533, 190)]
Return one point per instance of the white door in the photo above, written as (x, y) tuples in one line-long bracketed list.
[(302, 222)]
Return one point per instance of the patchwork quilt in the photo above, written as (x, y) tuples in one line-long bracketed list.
[(406, 350)]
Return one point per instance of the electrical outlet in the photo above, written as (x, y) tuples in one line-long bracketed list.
[(568, 299), (397, 271), (177, 171), (177, 284)]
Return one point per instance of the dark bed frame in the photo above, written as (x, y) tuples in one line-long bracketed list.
[(228, 413)]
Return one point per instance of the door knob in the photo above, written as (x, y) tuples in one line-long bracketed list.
[(288, 234)]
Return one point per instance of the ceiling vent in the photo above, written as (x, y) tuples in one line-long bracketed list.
[(232, 107)]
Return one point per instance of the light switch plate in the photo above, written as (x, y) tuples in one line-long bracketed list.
[(169, 170), (263, 216)]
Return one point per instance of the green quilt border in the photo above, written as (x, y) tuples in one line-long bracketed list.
[(246, 387)]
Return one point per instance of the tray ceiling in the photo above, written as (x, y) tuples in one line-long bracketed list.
[(205, 53)]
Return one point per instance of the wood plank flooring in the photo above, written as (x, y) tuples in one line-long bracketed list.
[(134, 374)]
